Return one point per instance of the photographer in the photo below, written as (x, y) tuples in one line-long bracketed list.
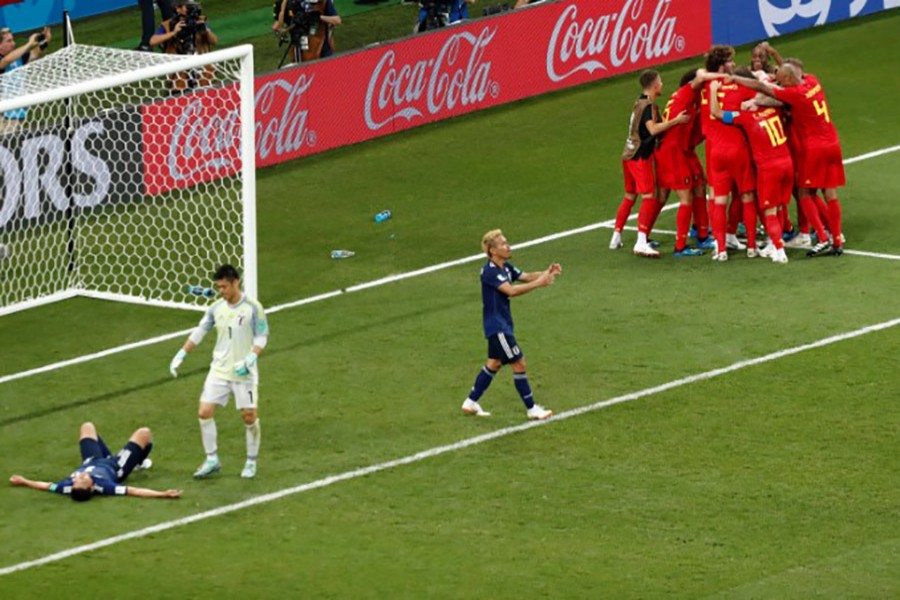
[(440, 13), (307, 26), (187, 32), (11, 58), (148, 21)]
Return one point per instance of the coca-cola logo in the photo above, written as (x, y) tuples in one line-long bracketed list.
[(281, 122), (598, 43), (205, 139), (458, 75)]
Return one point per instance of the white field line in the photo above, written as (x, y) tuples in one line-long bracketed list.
[(438, 450), (385, 280)]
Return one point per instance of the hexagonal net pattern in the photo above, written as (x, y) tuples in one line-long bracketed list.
[(122, 175)]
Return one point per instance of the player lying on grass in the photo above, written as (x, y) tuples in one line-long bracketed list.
[(101, 472)]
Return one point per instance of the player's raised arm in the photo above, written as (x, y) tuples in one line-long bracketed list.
[(532, 281), (754, 84), (715, 109)]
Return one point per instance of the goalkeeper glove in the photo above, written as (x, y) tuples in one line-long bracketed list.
[(243, 367), (176, 362)]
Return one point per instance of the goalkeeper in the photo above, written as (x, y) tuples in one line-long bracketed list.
[(241, 335)]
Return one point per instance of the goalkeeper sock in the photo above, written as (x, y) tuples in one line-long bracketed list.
[(484, 379), (209, 435), (253, 434), (521, 382)]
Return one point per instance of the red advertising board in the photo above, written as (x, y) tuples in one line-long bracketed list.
[(463, 68), (191, 139)]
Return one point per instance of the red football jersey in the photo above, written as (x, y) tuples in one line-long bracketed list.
[(810, 115), (730, 97), (682, 99), (765, 132)]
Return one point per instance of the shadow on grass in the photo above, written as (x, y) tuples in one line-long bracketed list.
[(325, 337)]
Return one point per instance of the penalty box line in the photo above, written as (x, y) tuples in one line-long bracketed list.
[(440, 450), (383, 281)]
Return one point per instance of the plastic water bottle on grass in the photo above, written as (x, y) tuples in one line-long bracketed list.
[(342, 253), (383, 216)]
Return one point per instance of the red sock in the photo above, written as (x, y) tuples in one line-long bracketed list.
[(646, 214), (808, 205), (734, 215), (718, 226), (801, 219), (750, 223), (834, 218), (658, 206), (623, 213), (823, 212), (683, 224), (701, 217), (773, 228)]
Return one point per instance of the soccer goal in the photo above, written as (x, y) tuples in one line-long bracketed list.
[(126, 176)]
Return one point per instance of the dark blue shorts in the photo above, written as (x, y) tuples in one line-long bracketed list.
[(123, 463), (503, 347)]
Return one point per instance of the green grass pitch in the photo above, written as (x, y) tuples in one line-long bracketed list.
[(775, 480)]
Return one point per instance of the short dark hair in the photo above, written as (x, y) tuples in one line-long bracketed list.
[(687, 77), (648, 77), (82, 494), (226, 272), (718, 56)]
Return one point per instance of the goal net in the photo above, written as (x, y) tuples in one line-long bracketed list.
[(125, 176)]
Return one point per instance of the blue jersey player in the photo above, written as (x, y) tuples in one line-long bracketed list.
[(497, 278), (101, 472)]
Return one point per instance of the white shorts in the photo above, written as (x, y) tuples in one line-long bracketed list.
[(217, 390)]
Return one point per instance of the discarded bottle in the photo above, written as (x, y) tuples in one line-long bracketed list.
[(383, 216), (199, 290), (342, 253)]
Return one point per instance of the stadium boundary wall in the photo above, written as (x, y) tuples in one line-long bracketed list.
[(464, 68)]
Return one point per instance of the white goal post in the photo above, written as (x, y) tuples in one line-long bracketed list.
[(126, 176)]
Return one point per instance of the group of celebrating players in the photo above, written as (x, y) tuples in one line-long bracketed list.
[(768, 134)]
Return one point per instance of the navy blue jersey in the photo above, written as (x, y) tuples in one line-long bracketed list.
[(102, 471), (496, 313)]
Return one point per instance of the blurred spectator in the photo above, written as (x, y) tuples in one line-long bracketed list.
[(148, 20), (11, 58), (307, 26), (187, 32)]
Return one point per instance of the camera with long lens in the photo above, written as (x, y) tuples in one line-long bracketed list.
[(437, 14), (186, 40), (303, 20)]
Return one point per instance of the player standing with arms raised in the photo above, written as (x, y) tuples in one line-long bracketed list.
[(497, 278), (821, 163), (241, 334), (774, 167), (728, 164), (675, 170)]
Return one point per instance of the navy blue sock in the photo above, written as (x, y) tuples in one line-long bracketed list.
[(484, 379), (521, 382)]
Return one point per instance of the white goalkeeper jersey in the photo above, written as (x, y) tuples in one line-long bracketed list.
[(236, 327)]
